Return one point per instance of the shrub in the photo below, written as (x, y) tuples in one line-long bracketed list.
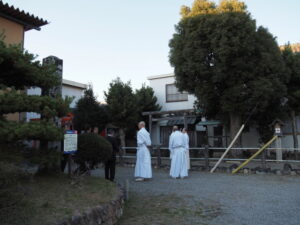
[(92, 149)]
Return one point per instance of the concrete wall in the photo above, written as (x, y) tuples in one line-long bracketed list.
[(159, 87)]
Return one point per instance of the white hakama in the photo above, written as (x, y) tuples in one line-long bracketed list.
[(187, 146), (178, 162), (143, 158)]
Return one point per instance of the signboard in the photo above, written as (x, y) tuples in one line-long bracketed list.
[(278, 131), (70, 142)]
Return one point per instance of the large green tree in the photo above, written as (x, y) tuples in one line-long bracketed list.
[(122, 106), (146, 102), (292, 69), (230, 64), (89, 113), (20, 70)]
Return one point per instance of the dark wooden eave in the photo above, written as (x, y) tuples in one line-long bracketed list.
[(15, 14)]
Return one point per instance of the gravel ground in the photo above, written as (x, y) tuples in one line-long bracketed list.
[(222, 198)]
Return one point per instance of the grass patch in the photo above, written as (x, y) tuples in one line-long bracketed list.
[(167, 209), (50, 199)]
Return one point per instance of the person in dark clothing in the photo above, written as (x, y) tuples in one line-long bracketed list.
[(110, 165)]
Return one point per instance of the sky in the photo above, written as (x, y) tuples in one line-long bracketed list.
[(100, 40)]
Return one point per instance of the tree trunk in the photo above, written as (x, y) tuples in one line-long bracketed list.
[(235, 124), (294, 131), (122, 138)]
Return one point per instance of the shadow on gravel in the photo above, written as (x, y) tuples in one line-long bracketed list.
[(168, 210)]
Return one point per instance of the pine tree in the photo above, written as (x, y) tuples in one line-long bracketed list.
[(20, 70)]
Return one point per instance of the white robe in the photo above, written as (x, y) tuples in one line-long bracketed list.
[(178, 162), (143, 158), (170, 147), (187, 146)]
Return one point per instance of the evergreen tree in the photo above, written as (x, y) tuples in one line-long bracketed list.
[(146, 102), (122, 106), (89, 114), (292, 69), (230, 65), (18, 71)]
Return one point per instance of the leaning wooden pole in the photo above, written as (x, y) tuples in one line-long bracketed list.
[(229, 147), (257, 153)]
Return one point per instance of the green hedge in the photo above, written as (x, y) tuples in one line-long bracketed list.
[(92, 149)]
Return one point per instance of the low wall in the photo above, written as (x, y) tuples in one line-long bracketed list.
[(106, 214)]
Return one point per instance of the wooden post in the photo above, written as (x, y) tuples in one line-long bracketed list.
[(206, 155), (184, 122), (263, 160), (158, 156), (278, 149), (69, 165), (127, 189), (150, 124), (196, 138)]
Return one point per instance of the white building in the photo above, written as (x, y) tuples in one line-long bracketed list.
[(200, 130), (167, 94), (174, 102), (73, 89), (69, 88)]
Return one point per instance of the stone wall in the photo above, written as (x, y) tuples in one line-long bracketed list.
[(106, 214)]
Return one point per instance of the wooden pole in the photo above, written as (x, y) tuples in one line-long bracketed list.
[(206, 153), (150, 124), (158, 156), (229, 147), (184, 122), (253, 156), (69, 165)]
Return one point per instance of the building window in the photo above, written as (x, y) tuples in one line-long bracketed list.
[(173, 95)]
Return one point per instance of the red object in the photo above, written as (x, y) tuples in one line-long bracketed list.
[(35, 119), (103, 133), (67, 118)]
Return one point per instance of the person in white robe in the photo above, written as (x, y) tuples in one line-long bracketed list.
[(143, 168), (187, 146), (178, 161)]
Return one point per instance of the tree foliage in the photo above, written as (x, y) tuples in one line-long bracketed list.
[(121, 103), (292, 66), (292, 69), (92, 149), (146, 101), (46, 105), (226, 61), (89, 114), (19, 70), (203, 7)]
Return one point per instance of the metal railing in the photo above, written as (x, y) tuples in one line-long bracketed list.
[(156, 154)]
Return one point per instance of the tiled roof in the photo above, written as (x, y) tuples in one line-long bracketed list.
[(29, 21)]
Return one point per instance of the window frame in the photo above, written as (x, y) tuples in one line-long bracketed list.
[(166, 92)]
